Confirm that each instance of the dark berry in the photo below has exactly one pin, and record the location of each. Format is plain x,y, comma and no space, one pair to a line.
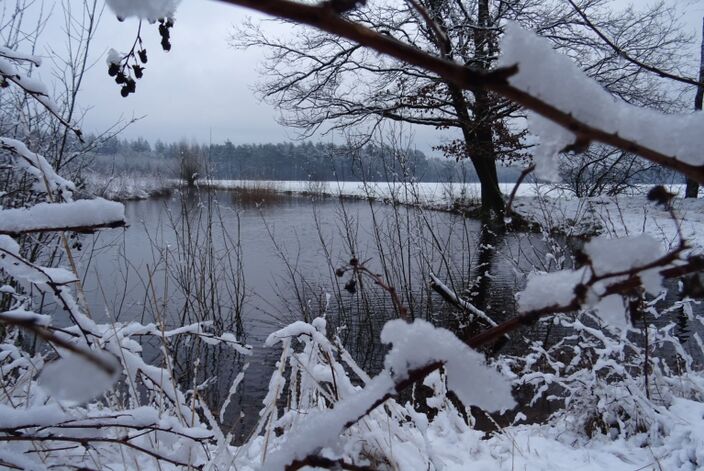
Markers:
351,286
660,195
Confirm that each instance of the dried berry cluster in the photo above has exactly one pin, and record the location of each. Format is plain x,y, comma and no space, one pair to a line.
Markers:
165,24
130,68
76,242
124,70
351,284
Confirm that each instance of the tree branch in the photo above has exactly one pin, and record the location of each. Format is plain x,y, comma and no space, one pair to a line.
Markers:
650,68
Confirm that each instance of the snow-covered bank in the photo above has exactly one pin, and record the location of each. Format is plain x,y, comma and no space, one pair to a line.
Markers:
668,434
616,216
545,204
430,193
128,187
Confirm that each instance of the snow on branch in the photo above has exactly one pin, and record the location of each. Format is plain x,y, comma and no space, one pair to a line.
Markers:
596,282
197,330
418,348
35,88
555,79
77,216
12,263
38,167
38,324
420,343
453,298
607,261
11,54
151,10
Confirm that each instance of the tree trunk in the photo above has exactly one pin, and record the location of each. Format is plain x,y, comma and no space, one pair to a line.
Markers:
480,147
476,131
481,144
692,186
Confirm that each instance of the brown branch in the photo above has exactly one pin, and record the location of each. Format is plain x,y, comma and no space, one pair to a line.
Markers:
694,264
359,269
398,304
526,171
326,19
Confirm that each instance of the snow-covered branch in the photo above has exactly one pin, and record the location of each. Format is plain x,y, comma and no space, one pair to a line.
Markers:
36,89
418,349
76,216
452,297
53,403
571,290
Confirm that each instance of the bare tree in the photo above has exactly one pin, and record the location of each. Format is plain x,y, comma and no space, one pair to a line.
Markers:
602,170
322,81
190,163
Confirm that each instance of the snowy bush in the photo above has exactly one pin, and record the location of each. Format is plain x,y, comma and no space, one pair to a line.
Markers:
58,404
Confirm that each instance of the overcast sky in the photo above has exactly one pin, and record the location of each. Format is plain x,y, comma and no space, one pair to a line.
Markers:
203,87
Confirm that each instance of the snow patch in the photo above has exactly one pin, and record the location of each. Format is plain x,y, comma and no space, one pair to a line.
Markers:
557,80
420,343
151,10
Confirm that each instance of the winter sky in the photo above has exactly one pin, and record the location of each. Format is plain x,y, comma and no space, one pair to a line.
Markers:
203,88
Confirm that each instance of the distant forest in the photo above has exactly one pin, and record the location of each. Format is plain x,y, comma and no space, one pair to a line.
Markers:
283,161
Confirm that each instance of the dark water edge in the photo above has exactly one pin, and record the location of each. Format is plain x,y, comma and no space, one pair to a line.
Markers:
289,249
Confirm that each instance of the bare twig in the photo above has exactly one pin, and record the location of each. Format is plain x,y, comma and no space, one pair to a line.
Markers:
87,441
359,268
526,171
618,50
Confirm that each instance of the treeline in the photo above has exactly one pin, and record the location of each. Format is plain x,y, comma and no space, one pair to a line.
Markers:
282,161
